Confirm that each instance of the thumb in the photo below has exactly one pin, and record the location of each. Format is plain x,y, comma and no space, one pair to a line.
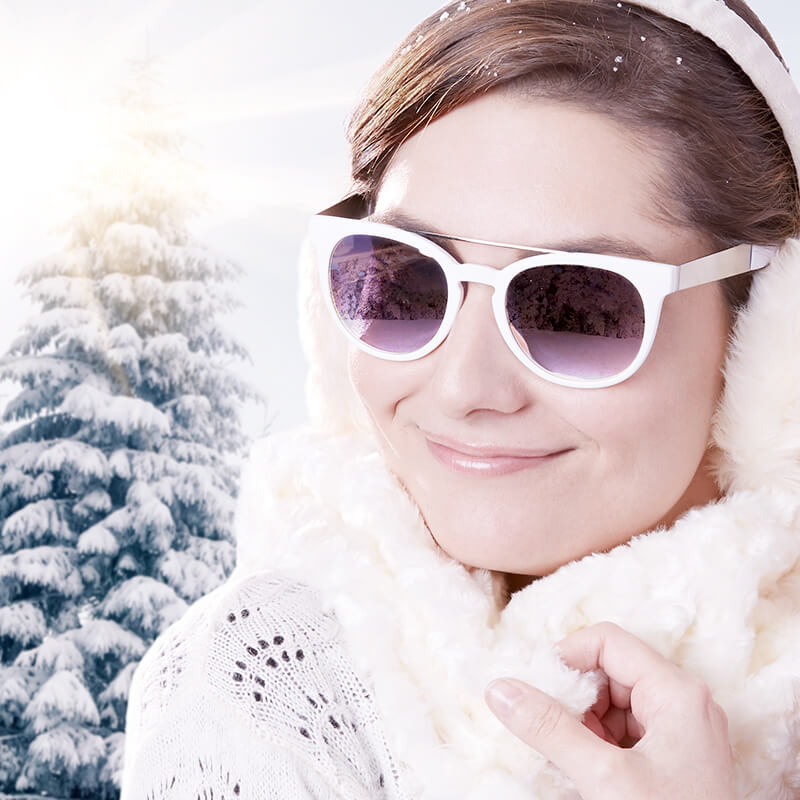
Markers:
544,724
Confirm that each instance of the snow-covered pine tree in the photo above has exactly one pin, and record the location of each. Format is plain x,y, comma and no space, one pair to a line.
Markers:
118,477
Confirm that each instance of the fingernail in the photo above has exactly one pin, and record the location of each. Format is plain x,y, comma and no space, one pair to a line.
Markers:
502,696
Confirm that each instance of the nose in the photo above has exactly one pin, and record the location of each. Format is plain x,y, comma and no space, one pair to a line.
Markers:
474,368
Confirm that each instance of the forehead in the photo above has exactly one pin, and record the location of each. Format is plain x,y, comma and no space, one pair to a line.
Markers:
531,171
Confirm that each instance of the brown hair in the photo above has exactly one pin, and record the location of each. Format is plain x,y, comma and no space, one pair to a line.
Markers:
731,174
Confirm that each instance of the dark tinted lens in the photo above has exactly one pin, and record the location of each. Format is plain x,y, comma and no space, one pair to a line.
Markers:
387,293
578,321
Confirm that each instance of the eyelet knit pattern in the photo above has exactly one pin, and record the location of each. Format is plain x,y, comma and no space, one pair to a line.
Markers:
250,695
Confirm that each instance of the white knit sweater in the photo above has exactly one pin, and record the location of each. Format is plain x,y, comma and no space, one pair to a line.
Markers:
251,695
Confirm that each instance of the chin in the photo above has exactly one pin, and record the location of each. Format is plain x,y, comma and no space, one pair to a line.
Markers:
484,546
511,546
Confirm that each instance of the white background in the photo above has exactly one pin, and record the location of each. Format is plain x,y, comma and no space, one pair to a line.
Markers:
266,86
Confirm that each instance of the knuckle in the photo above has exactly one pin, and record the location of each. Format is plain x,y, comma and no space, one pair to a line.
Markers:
545,723
606,628
696,694
719,717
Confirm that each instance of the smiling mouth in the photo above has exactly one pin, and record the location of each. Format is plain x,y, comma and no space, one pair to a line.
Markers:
488,461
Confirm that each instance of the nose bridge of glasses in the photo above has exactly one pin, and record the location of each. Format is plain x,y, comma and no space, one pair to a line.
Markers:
478,273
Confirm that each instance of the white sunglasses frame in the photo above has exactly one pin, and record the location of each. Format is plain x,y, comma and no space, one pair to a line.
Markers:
652,279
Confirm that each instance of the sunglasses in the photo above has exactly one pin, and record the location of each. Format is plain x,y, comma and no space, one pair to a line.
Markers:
583,320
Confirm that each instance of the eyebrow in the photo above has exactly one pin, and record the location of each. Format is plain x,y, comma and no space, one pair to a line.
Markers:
604,245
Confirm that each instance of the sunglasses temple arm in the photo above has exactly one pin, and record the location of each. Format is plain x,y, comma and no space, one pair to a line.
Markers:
352,207
734,261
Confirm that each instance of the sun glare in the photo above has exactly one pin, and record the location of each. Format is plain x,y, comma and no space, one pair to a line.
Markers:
51,129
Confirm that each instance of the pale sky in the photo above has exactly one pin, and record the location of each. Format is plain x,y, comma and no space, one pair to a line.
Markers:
267,86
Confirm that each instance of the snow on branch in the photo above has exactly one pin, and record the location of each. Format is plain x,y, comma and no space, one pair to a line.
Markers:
120,687
14,693
63,749
22,456
48,567
195,454
157,306
125,337
151,517
102,637
62,698
175,458
133,249
35,523
195,261
14,481
74,262
39,331
27,403
121,462
64,292
111,772
76,457
219,554
55,653
47,266
50,426
190,577
217,340
145,604
126,414
198,486
92,503
119,522
124,351
98,540
23,622
46,371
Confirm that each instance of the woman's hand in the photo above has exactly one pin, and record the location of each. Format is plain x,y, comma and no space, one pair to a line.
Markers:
655,732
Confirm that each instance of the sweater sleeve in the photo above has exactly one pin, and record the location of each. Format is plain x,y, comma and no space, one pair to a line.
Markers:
250,696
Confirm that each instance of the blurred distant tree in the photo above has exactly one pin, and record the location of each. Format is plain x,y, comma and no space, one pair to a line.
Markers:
118,473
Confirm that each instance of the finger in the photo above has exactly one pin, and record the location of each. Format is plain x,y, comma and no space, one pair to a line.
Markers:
625,658
603,702
543,723
659,691
615,723
621,727
628,662
633,728
619,694
592,722
610,695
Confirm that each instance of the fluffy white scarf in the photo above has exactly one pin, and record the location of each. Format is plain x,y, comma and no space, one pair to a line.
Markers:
718,593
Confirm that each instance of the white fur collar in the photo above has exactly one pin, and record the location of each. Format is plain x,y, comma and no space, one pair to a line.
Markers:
719,593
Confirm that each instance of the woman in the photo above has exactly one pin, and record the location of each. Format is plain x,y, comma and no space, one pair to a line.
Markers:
538,451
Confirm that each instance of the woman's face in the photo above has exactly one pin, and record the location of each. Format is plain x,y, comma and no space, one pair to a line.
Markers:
460,425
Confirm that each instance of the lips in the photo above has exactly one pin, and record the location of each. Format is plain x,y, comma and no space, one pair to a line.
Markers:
488,459
490,450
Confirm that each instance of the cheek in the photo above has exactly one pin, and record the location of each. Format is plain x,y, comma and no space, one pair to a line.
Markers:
381,385
656,426
363,376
